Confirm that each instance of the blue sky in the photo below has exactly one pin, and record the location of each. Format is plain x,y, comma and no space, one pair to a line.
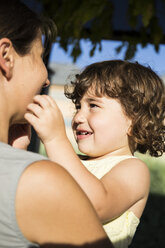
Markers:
146,56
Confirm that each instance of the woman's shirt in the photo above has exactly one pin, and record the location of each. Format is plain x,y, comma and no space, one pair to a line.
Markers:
13,162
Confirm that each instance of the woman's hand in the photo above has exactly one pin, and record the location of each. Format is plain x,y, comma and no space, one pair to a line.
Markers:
46,118
19,136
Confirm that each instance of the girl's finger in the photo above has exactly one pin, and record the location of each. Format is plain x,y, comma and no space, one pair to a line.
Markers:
50,100
42,101
35,109
31,118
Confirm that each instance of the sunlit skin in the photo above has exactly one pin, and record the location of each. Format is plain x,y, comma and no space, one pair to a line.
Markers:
101,129
28,84
40,206
100,126
21,79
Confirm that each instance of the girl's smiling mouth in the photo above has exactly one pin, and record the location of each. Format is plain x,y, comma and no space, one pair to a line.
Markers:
82,134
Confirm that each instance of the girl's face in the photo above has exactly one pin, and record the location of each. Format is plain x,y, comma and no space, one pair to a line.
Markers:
29,77
100,126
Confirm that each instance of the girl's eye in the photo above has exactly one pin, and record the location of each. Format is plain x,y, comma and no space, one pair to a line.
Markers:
77,106
92,105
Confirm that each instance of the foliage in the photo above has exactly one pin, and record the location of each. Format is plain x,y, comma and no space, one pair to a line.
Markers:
92,20
157,172
80,19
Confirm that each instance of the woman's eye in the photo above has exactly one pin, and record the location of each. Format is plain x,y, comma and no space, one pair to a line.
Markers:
42,55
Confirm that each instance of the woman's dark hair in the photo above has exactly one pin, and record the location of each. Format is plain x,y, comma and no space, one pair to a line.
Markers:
141,93
22,26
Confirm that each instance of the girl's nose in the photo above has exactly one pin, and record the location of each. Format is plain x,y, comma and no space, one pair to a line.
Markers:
79,117
46,84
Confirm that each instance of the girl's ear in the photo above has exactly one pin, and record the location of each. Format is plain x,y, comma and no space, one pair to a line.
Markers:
6,58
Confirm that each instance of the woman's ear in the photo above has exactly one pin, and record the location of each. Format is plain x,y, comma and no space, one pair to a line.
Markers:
6,58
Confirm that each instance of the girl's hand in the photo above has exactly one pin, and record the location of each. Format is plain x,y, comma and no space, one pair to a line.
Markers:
19,136
46,118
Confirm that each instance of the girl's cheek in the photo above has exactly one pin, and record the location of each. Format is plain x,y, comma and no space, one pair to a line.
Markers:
72,123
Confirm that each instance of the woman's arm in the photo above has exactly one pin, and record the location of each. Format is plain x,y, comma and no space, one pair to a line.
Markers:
103,243
52,208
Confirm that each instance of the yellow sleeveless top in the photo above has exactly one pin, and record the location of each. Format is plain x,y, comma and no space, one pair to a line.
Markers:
122,229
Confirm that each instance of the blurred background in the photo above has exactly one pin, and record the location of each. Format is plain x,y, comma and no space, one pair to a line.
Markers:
96,30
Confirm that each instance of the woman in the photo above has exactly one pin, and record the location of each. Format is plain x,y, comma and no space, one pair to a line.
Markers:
39,201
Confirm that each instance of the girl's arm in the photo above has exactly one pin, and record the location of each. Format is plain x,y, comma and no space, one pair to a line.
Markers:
116,192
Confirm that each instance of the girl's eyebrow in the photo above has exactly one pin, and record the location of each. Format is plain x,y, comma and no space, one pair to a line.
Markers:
94,99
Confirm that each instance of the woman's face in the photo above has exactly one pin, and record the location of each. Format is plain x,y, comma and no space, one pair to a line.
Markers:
30,75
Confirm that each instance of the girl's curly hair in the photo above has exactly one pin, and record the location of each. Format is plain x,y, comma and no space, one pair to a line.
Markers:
141,93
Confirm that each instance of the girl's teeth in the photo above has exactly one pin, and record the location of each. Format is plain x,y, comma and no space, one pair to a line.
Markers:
84,133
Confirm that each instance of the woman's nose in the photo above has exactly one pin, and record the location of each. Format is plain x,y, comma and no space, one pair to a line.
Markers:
46,84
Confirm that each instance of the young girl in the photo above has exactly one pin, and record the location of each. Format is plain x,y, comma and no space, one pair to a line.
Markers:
120,109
